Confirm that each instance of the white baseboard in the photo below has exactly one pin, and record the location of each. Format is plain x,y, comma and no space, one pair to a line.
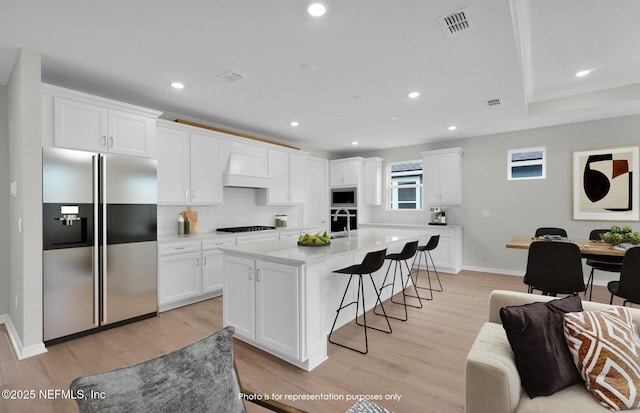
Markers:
598,280
493,270
19,349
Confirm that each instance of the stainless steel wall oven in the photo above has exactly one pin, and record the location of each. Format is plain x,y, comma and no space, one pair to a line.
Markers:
344,197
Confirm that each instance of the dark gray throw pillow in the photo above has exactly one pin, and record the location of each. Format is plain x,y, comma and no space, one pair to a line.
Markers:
535,333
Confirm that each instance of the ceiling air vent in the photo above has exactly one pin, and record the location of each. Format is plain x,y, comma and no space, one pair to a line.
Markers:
494,102
455,22
230,76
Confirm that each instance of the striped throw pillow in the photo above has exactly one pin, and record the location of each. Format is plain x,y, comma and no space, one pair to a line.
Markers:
606,350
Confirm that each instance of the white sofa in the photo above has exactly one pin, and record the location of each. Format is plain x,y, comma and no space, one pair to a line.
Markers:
492,383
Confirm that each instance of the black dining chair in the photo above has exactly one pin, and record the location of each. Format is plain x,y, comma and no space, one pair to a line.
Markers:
541,232
628,288
554,268
601,262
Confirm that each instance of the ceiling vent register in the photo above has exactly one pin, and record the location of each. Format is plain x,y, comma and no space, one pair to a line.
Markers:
455,22
230,76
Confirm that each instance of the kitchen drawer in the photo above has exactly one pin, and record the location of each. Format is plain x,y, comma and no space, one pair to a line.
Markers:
178,247
245,239
212,244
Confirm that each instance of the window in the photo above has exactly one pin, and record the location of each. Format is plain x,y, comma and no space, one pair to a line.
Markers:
405,185
526,163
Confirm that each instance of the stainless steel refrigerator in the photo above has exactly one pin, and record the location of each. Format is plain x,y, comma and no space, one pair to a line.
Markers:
99,241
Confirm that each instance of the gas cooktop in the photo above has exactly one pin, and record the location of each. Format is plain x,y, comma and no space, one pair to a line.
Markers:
245,229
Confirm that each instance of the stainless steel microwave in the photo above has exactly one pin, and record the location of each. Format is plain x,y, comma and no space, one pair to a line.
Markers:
344,197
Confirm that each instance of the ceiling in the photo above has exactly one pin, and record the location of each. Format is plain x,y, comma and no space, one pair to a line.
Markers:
344,76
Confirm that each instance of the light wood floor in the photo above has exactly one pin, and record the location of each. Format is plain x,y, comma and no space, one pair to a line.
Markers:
422,361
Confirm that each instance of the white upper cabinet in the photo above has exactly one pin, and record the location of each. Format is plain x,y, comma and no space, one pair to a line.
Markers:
345,172
188,166
90,123
373,181
442,170
173,166
206,175
288,178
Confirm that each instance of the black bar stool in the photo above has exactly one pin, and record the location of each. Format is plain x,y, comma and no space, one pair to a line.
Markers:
423,251
406,254
371,263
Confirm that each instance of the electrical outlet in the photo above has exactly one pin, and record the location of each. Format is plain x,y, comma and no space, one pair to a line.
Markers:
16,300
485,214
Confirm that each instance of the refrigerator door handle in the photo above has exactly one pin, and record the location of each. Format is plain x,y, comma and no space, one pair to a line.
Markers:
103,231
95,256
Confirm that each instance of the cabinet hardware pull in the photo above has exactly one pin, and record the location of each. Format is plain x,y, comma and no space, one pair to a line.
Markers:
186,193
104,140
250,273
179,248
197,262
111,141
204,260
258,274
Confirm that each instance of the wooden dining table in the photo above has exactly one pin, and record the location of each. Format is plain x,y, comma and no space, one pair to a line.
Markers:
587,247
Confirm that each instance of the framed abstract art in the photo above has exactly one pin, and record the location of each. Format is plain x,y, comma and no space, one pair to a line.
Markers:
605,184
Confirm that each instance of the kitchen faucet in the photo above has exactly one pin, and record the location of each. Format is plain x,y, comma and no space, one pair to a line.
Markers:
348,227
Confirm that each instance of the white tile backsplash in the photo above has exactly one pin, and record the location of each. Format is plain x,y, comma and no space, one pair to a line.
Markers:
239,209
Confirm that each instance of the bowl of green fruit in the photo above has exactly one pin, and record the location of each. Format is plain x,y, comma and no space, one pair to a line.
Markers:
315,240
617,235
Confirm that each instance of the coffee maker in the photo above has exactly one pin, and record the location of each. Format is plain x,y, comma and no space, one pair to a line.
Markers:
438,216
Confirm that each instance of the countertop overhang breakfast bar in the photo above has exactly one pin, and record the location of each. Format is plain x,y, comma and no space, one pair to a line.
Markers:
282,297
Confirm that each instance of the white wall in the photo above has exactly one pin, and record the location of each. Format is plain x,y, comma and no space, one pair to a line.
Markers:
517,207
4,204
239,209
25,153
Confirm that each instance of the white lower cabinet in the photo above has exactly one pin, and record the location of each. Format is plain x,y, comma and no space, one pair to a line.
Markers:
213,265
448,254
261,303
179,274
178,278
189,271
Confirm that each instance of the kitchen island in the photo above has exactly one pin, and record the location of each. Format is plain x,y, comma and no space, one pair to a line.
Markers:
282,298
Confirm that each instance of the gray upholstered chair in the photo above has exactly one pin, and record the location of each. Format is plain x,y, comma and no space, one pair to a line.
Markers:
200,377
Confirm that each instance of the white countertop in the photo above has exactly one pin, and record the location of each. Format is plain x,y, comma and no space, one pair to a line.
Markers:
406,226
287,251
198,236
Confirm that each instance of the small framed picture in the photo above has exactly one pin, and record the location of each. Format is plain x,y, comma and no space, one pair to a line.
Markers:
527,163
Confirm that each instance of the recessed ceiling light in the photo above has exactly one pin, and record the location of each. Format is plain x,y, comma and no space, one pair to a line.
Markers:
393,118
583,73
452,127
294,123
354,143
177,85
317,9
414,95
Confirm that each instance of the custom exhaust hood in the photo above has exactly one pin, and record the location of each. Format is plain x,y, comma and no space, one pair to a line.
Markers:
246,170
